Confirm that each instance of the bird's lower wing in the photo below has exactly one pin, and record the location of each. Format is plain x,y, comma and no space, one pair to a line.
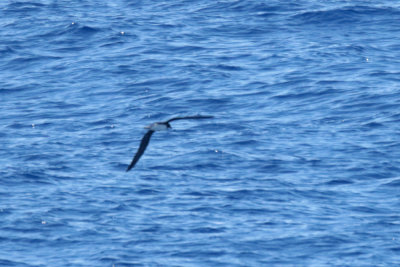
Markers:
142,148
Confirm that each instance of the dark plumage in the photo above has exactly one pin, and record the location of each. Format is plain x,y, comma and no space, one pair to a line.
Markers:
157,126
142,148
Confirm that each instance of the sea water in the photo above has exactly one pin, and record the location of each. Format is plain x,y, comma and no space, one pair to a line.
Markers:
299,167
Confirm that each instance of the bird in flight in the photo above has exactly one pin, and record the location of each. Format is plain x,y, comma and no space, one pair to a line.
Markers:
158,126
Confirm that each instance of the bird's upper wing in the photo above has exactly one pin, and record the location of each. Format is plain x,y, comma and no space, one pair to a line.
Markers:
142,148
189,118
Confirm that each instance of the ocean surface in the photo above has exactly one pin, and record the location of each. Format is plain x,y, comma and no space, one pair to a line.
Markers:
300,165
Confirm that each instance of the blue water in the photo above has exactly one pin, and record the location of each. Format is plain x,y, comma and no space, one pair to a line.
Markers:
299,167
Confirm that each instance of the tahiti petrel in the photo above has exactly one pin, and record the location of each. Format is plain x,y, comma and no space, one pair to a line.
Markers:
158,126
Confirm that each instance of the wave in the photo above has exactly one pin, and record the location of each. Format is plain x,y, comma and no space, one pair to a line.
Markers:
344,15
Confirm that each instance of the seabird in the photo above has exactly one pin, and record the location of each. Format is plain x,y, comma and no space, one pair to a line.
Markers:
158,126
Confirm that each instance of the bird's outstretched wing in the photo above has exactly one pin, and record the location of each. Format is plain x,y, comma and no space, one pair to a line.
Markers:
142,148
189,118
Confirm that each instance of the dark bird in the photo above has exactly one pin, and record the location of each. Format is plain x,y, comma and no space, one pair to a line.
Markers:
158,126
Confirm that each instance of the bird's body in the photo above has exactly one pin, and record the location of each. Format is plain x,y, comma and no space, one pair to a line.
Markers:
157,126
